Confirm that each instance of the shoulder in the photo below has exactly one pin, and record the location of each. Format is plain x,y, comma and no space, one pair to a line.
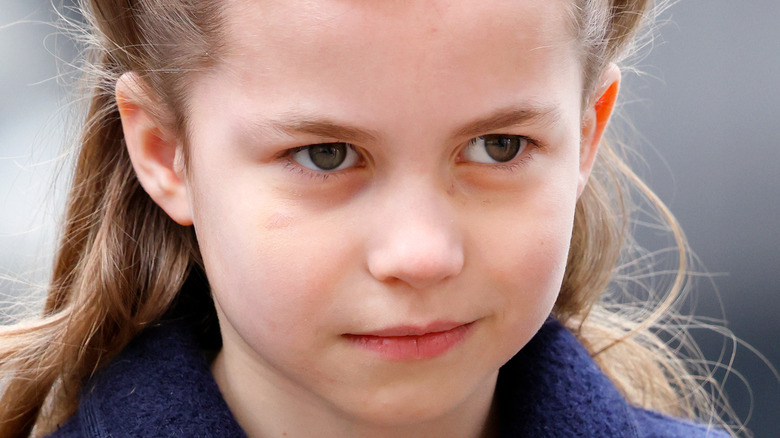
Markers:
651,424
160,385
552,387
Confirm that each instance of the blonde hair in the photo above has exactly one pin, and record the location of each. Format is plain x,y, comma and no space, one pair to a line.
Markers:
122,262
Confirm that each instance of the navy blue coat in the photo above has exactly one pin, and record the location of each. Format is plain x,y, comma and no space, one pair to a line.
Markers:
161,386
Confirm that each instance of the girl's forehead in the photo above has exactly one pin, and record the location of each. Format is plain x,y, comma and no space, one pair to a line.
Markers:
400,55
401,27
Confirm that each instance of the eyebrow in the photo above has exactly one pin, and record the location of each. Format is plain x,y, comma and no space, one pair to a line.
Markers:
300,124
511,116
322,127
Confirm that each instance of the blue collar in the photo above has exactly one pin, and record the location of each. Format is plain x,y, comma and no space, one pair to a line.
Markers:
161,385
553,388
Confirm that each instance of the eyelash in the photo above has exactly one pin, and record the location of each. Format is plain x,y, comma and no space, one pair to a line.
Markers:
308,173
514,164
522,158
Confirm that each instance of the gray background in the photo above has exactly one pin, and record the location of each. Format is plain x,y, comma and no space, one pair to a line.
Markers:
707,109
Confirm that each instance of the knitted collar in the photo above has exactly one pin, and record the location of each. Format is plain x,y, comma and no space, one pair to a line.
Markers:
161,385
553,388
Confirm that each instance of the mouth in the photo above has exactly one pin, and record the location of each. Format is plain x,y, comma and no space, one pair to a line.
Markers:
412,342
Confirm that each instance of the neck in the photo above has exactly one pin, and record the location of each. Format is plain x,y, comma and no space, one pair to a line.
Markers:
265,410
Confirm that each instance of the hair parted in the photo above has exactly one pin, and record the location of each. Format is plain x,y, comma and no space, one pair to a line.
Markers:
122,261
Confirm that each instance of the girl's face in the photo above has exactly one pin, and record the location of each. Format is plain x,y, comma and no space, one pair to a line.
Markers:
384,276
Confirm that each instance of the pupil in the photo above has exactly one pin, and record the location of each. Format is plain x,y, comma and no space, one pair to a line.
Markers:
328,156
502,148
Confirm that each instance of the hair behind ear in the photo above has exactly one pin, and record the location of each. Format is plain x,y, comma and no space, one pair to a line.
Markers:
121,260
120,263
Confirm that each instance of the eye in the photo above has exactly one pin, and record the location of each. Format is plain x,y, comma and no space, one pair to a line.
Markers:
326,156
494,148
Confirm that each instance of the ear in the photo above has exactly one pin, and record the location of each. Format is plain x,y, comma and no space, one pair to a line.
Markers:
595,120
156,153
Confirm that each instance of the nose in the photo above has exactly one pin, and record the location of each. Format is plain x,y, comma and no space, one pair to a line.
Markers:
416,239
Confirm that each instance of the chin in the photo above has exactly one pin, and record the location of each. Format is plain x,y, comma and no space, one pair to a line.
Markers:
402,413
413,404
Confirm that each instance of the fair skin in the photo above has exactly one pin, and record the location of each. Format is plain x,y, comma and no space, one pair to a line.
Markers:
418,229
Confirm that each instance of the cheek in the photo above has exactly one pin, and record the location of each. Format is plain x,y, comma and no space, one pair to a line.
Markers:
270,269
526,246
531,261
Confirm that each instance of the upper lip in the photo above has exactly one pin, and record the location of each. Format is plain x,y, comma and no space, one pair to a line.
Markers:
413,330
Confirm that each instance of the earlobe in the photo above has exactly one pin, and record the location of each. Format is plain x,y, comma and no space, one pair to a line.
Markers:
155,152
595,120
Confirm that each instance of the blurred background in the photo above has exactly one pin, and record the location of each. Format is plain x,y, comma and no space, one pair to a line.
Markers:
703,115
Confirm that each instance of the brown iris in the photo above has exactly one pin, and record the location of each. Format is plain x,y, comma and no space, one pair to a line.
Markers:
503,148
328,156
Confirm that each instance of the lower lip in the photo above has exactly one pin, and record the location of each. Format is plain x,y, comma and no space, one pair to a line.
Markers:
427,346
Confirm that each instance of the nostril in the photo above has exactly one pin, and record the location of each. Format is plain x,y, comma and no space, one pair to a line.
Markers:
416,263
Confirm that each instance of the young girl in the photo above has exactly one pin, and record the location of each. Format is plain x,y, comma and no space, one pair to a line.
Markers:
348,218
